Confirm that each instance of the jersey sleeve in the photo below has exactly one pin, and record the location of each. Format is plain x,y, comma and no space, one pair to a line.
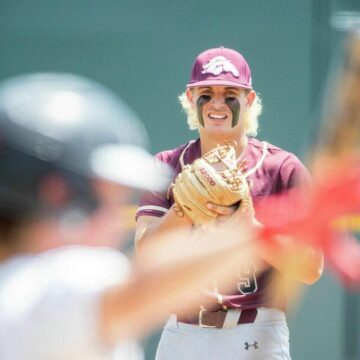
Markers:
154,203
293,174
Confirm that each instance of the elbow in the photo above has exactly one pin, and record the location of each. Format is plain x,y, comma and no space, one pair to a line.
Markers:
314,273
140,240
139,246
314,268
312,277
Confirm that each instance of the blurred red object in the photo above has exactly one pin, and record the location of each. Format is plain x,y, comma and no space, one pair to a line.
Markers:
313,216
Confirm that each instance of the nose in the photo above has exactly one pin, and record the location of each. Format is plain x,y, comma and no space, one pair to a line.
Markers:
217,101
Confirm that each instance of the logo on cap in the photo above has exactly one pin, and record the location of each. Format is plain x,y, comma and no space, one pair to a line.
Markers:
218,65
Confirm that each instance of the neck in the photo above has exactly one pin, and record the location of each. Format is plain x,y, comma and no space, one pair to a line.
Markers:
209,143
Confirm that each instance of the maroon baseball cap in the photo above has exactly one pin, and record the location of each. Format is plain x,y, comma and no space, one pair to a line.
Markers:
220,66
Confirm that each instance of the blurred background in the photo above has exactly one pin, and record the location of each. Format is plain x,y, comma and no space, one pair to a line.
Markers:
144,49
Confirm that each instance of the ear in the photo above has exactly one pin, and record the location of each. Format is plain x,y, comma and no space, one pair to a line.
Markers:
250,97
190,96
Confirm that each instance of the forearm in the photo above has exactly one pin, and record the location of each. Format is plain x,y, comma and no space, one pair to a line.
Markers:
149,229
143,302
293,258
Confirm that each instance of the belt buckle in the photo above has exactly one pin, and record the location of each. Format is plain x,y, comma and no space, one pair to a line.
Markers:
201,312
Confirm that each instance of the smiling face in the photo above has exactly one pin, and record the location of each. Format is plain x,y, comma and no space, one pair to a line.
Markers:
220,109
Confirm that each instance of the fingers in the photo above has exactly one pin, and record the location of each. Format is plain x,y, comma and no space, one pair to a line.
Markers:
242,212
245,207
222,210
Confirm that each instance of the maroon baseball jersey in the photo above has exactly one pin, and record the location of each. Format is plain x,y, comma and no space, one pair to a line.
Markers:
270,170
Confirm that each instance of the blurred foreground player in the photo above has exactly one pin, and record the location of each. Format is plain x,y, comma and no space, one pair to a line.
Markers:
247,322
69,152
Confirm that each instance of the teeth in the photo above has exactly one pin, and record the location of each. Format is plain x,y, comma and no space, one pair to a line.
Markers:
217,116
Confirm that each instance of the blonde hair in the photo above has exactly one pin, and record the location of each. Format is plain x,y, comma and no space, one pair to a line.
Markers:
251,115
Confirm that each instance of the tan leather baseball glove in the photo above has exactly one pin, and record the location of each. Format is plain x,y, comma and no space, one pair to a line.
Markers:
214,178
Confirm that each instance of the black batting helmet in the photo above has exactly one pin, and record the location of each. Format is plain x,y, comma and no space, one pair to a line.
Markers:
53,122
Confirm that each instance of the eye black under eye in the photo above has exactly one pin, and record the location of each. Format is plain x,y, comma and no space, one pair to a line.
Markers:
205,97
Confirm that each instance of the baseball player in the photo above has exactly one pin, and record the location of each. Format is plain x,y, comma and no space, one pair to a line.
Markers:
246,322
70,153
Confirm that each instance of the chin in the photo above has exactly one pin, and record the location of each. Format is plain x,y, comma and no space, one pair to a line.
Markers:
221,134
217,126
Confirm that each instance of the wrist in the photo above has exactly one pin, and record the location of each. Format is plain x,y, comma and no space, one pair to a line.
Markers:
179,214
257,225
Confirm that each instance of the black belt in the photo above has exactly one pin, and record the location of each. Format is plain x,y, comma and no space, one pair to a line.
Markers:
216,319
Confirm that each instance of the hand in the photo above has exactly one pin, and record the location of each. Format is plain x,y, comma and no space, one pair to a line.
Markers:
214,178
222,211
242,213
